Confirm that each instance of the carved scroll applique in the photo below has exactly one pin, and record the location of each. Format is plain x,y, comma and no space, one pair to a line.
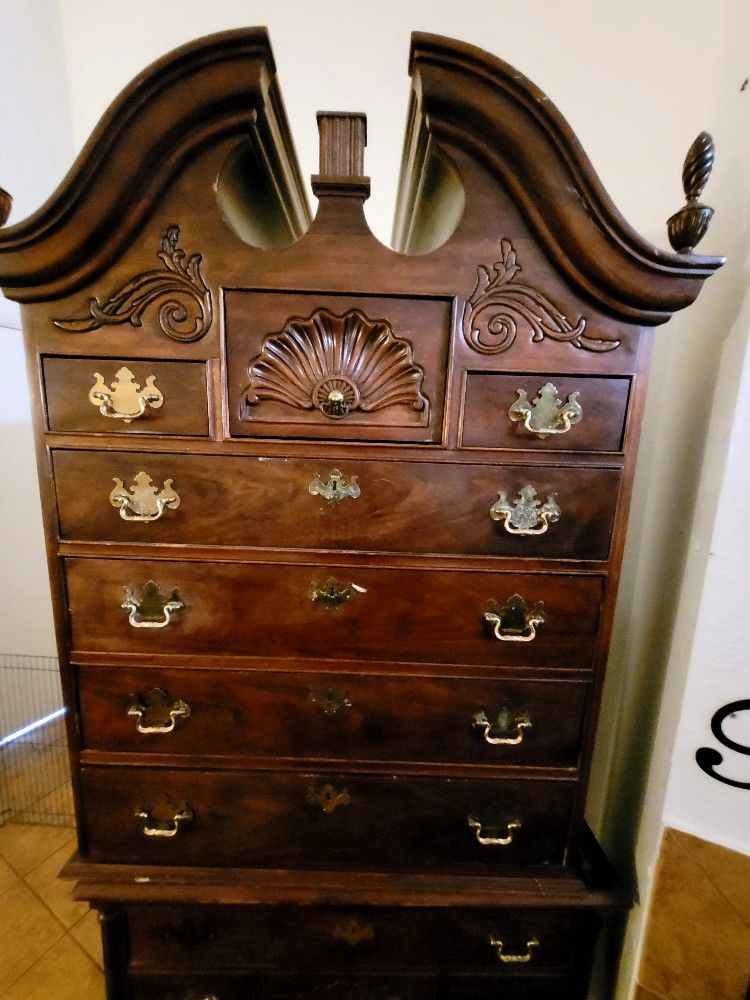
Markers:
499,305
336,364
185,310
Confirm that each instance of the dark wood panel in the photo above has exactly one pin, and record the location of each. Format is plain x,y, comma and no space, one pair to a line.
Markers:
267,611
266,819
489,397
350,938
388,338
402,507
332,716
179,986
68,381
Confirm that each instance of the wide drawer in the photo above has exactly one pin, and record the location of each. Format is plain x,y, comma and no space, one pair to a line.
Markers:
598,425
281,819
151,397
400,507
333,613
331,716
269,986
322,939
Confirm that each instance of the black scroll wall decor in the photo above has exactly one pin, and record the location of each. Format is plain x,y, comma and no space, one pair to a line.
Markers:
709,759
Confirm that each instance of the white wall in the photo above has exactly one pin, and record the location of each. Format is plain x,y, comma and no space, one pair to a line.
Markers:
36,148
637,81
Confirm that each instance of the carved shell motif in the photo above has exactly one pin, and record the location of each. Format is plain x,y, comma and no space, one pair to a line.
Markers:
336,364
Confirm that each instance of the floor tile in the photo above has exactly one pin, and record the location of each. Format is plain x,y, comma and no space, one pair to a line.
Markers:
88,934
8,876
696,945
24,846
65,972
53,809
644,994
27,931
56,892
728,870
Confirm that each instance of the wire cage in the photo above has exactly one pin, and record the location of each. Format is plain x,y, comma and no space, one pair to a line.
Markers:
34,769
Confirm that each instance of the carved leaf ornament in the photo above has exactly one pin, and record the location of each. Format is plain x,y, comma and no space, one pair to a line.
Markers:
186,310
499,305
336,364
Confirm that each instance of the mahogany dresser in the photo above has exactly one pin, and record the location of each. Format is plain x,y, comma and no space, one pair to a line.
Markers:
334,530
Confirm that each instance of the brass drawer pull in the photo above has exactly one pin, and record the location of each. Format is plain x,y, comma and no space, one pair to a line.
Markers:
514,959
514,726
169,828
330,701
143,501
124,399
515,621
336,488
328,798
333,594
152,609
353,931
527,515
547,414
511,826
157,703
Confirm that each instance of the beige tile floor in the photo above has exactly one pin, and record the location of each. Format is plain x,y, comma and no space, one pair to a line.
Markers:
50,948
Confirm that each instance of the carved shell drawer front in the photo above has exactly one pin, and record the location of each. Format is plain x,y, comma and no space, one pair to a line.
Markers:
313,365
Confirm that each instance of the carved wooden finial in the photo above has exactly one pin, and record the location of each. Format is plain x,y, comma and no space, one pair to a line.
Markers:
5,205
687,227
343,137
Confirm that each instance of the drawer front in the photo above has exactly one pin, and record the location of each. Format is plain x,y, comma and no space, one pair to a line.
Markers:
418,507
332,716
346,367
332,613
179,986
598,426
269,986
310,938
278,819
172,396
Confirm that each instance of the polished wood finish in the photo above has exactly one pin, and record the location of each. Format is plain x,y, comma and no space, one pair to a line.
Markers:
319,681
317,716
262,819
425,507
487,399
440,615
351,938
68,381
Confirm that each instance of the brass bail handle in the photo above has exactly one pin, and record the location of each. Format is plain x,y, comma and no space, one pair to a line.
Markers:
124,399
155,828
515,621
514,726
510,958
526,515
546,414
139,707
488,841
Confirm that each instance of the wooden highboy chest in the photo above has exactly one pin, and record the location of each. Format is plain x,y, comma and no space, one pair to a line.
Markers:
334,530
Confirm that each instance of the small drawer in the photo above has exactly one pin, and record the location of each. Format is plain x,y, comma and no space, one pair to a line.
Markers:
338,820
332,716
423,507
123,396
540,620
579,413
356,938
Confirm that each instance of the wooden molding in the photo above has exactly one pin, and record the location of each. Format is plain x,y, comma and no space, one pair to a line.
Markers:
200,94
465,97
